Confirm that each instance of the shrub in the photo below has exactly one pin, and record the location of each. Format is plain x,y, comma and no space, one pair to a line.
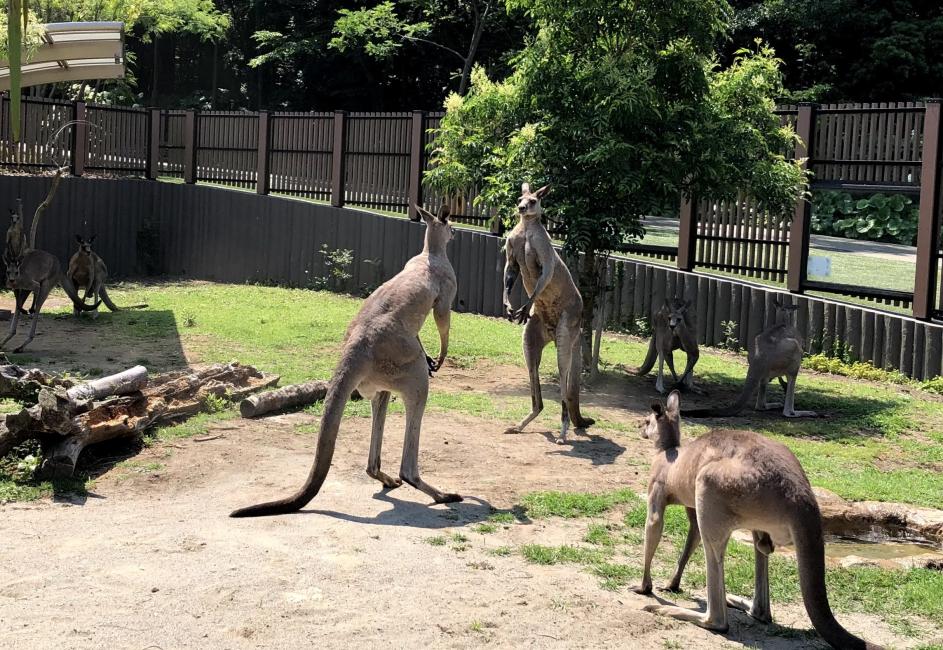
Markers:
876,218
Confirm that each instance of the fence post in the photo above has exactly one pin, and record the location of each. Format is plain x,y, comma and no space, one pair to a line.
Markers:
153,144
337,159
262,179
189,147
79,138
799,230
415,164
687,233
928,228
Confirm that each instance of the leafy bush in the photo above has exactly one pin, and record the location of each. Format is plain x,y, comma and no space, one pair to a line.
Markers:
876,218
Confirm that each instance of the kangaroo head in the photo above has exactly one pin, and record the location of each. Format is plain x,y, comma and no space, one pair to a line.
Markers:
85,245
677,311
14,217
784,311
528,206
439,231
13,270
663,424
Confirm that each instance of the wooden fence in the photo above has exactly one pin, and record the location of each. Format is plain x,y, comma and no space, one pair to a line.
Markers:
211,233
377,160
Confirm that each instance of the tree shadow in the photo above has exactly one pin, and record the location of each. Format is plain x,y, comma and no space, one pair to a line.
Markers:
421,515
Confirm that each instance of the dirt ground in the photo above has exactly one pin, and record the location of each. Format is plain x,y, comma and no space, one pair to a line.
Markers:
150,560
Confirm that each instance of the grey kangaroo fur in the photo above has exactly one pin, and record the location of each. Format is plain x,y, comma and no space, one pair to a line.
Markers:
16,245
382,354
673,327
552,310
36,272
730,480
777,353
88,271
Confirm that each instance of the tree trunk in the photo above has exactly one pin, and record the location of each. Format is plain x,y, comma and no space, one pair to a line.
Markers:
589,290
472,50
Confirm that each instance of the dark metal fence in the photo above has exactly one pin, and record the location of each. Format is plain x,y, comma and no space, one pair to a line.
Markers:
377,160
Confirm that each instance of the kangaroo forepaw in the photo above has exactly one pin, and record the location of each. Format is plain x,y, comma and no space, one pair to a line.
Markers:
433,366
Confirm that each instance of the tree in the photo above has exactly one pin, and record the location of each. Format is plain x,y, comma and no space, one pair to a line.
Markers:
19,36
621,108
380,32
849,50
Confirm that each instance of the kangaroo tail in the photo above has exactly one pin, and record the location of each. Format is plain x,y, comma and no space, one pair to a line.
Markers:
749,387
342,385
810,554
69,288
650,358
103,294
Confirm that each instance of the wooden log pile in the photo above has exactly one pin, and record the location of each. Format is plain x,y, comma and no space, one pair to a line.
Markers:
67,418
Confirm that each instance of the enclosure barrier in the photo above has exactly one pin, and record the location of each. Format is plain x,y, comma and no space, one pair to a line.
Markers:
211,233
377,160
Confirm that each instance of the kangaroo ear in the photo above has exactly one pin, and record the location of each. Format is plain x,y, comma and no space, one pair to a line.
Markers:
658,408
92,238
542,192
425,215
525,188
78,238
674,404
444,212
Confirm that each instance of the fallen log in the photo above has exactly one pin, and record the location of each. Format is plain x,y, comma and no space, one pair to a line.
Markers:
67,419
24,385
285,398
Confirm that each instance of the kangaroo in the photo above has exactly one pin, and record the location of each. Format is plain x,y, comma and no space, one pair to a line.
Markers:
673,328
777,353
88,271
37,272
16,239
729,480
552,310
382,354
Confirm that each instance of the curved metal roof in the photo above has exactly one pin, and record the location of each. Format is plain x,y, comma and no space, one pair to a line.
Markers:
73,52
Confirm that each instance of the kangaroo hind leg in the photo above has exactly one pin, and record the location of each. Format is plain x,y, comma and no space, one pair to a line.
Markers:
39,297
534,342
378,405
789,405
571,394
415,391
759,607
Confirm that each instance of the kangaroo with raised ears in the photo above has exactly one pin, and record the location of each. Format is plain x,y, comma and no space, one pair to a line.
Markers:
777,353
553,310
673,328
382,354
731,480
16,245
37,272
88,271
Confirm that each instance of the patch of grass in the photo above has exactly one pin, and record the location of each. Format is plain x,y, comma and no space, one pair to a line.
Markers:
194,426
8,405
546,555
486,529
574,504
600,535
614,576
437,540
503,518
501,551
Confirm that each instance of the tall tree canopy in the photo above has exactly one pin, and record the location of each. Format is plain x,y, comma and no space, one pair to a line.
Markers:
619,106
841,50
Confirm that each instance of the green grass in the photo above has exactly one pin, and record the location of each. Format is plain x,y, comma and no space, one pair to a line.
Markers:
546,555
570,504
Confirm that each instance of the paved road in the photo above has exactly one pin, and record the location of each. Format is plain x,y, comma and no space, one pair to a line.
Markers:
881,250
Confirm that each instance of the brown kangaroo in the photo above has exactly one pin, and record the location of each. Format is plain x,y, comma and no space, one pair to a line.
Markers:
88,271
673,328
553,310
777,353
382,354
732,480
37,272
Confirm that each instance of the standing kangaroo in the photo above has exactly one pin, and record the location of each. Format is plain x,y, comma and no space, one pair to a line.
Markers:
552,310
730,480
37,272
88,271
16,245
777,353
382,354
673,328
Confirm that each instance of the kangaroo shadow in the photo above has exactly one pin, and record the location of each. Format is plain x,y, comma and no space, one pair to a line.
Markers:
596,449
421,515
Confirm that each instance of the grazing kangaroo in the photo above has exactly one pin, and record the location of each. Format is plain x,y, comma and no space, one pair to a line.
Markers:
673,329
37,272
16,239
88,271
552,310
382,354
730,480
777,352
